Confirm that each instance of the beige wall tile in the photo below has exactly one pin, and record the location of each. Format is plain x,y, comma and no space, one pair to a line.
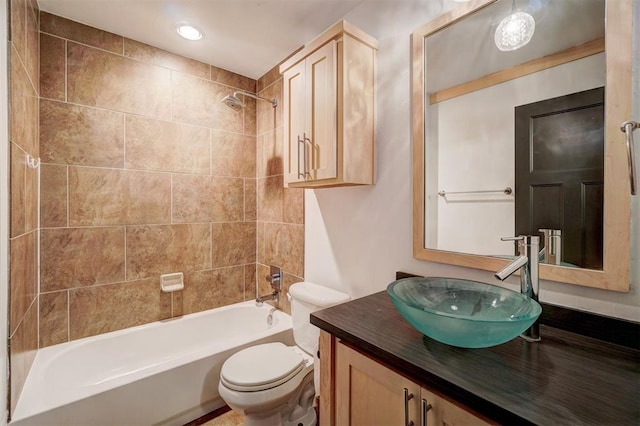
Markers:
284,246
270,199
263,286
32,48
232,79
19,26
260,243
53,196
233,243
101,79
207,199
233,154
101,309
294,205
250,281
52,67
197,101
54,318
250,116
270,153
165,146
118,197
250,199
155,250
73,134
177,305
24,108
75,31
31,199
269,78
153,55
23,347
268,118
23,288
76,257
212,289
18,188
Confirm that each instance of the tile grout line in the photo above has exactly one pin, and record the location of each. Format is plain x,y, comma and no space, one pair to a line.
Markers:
124,142
68,224
68,315
66,68
125,253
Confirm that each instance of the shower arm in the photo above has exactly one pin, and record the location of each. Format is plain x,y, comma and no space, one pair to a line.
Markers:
274,101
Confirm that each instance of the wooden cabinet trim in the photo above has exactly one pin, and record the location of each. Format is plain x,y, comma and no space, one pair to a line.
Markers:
333,33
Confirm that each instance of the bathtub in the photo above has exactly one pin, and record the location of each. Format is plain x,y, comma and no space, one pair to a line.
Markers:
160,373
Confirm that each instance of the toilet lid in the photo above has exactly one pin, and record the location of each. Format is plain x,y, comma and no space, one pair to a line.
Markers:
261,367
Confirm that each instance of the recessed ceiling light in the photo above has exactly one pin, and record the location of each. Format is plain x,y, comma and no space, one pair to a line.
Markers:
188,32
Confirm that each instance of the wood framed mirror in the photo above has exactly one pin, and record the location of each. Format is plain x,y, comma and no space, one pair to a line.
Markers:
610,269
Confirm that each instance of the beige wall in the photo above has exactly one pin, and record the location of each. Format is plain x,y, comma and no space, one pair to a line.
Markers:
23,135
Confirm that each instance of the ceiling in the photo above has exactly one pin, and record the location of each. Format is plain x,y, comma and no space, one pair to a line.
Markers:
248,37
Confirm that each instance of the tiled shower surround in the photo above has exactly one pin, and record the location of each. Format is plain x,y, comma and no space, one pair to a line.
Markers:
23,135
145,172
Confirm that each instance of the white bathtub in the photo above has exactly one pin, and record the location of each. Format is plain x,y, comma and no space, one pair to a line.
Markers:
160,373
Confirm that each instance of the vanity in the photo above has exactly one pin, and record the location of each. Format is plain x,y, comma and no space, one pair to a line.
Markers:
377,369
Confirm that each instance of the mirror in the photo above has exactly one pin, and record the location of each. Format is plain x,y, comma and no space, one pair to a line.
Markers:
488,125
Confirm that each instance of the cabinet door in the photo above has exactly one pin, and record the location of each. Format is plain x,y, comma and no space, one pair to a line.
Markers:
445,413
321,77
370,394
295,119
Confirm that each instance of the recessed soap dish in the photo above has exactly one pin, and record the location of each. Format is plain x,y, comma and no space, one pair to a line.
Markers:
172,282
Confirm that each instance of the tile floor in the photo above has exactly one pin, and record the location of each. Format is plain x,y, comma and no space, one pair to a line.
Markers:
230,418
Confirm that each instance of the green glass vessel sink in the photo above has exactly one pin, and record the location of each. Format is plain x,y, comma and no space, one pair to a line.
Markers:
462,313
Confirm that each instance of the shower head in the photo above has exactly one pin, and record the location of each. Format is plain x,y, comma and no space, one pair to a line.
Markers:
233,102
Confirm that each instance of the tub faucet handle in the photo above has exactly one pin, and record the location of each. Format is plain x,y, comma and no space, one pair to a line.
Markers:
275,277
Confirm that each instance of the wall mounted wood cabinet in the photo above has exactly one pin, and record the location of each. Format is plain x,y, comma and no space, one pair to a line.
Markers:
368,393
329,95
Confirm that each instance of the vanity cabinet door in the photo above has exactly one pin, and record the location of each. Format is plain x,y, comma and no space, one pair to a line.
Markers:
294,124
369,394
321,97
445,413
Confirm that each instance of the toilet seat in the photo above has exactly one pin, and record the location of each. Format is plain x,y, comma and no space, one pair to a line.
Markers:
261,367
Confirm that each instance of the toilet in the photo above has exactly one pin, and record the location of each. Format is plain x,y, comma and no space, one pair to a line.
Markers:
273,384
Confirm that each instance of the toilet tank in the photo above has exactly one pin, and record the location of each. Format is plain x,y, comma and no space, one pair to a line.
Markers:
306,298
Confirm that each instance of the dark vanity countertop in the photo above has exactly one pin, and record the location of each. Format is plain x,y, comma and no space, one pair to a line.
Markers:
565,379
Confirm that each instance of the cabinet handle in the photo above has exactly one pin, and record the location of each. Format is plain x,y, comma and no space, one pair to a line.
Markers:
304,158
628,127
423,413
407,397
304,135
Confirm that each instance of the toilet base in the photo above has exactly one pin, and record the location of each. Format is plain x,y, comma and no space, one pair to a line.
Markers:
297,411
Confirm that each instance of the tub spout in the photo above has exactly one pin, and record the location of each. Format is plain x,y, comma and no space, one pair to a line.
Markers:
527,263
275,279
275,296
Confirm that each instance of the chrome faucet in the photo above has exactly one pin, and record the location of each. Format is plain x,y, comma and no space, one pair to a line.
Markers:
275,279
527,263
